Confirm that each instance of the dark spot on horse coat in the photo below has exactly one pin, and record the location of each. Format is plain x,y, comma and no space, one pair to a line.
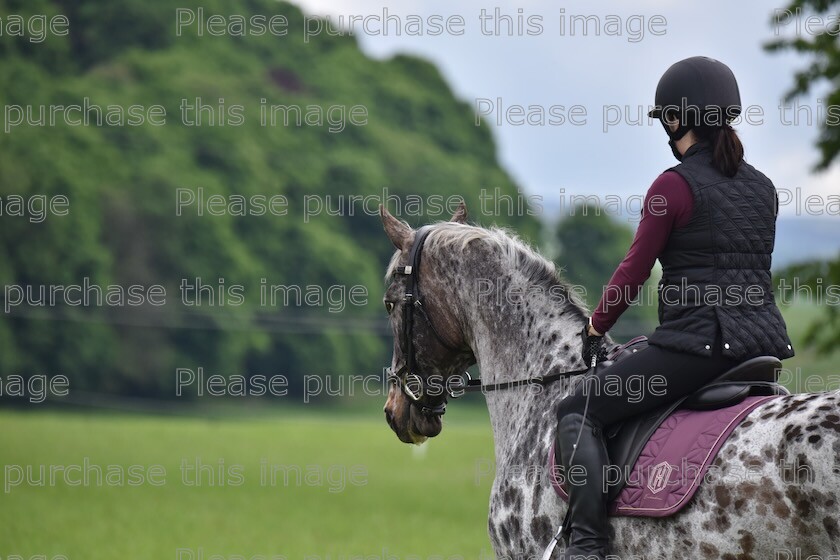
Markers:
709,551
535,503
801,503
512,497
814,438
793,433
505,534
749,490
795,405
722,522
722,496
747,545
803,466
831,423
781,510
540,527
831,528
516,529
754,461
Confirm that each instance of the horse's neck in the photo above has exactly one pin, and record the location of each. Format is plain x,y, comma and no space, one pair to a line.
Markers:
529,341
519,330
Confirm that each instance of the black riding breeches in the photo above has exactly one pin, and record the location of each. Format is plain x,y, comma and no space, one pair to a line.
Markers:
643,381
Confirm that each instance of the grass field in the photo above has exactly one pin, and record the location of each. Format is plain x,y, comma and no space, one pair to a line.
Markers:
396,501
346,488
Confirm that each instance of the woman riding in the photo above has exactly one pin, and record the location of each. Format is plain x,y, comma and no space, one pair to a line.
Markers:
711,223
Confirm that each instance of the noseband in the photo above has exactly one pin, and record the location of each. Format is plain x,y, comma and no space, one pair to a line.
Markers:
412,300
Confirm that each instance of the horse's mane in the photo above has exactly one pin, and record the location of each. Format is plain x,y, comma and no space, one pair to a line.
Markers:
514,253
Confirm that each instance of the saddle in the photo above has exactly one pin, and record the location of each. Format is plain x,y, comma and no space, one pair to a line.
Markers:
693,428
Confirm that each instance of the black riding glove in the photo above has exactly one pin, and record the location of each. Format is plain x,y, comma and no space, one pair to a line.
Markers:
593,346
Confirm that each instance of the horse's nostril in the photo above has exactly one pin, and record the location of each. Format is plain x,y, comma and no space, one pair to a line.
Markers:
389,417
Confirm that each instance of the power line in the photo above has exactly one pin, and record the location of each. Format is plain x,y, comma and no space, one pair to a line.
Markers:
241,320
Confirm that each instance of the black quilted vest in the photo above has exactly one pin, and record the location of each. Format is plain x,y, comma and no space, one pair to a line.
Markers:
716,269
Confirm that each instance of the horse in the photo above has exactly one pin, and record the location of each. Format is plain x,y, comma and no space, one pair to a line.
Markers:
490,299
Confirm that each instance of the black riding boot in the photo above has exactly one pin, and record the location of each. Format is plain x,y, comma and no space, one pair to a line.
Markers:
587,495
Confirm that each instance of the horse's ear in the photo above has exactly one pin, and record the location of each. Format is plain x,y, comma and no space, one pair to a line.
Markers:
399,232
460,215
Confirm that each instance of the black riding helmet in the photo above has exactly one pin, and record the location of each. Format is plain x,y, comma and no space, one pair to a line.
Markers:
698,91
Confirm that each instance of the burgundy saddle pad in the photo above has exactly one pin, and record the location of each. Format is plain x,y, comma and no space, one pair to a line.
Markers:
674,461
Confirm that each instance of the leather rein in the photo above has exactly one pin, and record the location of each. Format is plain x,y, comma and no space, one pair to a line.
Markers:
413,385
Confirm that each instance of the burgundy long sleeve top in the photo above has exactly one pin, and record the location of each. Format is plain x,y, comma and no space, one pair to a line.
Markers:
668,205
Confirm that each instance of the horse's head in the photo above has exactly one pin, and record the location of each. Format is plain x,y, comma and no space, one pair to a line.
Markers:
430,349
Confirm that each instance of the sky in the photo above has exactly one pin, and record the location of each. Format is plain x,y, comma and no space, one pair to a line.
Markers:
614,77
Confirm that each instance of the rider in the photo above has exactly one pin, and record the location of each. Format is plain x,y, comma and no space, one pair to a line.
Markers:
711,223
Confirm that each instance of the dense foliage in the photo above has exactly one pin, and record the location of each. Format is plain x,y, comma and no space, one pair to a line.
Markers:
591,244
819,42
121,183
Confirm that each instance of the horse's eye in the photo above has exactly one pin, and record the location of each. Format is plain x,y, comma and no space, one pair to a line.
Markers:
389,306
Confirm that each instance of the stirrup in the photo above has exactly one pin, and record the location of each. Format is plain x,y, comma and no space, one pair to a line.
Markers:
562,534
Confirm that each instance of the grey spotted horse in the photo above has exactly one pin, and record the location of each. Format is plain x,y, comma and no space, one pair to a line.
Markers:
487,298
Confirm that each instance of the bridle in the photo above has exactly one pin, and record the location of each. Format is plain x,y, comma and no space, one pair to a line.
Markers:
407,375
413,300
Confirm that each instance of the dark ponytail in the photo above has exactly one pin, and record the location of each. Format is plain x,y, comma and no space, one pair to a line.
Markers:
727,150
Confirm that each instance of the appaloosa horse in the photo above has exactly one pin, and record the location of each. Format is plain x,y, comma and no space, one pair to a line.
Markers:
490,299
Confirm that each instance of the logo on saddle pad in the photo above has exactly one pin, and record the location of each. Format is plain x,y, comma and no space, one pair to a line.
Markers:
659,476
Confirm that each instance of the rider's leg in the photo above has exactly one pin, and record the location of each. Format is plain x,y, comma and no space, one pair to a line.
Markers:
631,386
584,454
581,422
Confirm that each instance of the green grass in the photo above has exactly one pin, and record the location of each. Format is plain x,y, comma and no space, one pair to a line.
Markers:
406,501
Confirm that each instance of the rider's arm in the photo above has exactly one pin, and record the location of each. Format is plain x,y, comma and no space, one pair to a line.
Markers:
667,205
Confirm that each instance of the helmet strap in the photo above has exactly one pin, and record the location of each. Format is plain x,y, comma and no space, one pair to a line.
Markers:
675,135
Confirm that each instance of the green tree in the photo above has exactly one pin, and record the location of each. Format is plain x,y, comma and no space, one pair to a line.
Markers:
591,245
822,49
122,181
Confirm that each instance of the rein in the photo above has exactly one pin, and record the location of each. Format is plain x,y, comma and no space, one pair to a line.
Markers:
474,385
405,375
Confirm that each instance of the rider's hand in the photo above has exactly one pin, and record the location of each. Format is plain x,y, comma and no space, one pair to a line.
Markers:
593,345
